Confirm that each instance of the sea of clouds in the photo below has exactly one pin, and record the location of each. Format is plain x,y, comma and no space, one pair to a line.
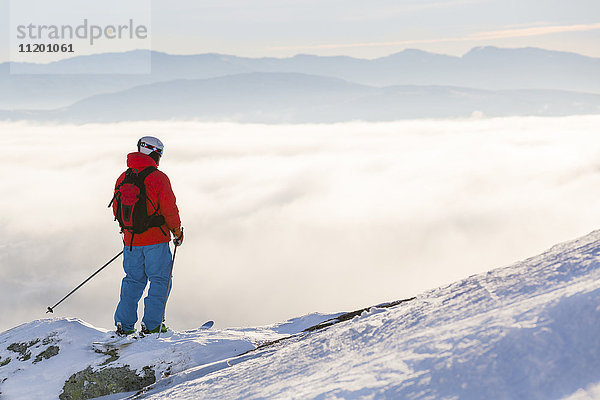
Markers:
284,220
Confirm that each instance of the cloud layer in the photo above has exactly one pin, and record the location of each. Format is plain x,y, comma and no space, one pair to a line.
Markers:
283,220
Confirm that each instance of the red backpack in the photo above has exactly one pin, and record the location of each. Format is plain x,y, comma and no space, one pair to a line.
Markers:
132,208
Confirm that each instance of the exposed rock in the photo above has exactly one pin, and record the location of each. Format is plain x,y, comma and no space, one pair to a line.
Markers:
23,349
88,384
51,339
51,351
113,355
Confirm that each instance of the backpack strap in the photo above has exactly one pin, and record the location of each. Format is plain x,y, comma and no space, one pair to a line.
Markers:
143,175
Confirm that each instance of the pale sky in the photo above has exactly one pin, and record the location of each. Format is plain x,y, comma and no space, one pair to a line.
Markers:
365,29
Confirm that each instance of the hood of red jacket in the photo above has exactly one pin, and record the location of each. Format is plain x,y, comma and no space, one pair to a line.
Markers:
139,161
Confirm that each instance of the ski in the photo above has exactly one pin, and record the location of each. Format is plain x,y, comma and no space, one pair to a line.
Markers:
116,342
204,327
207,325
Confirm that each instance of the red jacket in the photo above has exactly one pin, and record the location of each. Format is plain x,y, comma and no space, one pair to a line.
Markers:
159,192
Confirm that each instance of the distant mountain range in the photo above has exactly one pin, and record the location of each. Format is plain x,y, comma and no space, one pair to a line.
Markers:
297,98
304,88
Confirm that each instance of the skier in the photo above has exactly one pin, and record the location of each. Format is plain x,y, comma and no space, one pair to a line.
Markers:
146,253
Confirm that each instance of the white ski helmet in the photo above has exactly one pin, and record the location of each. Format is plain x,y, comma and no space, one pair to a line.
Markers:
149,144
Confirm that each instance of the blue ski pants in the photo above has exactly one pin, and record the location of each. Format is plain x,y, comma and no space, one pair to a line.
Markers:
142,264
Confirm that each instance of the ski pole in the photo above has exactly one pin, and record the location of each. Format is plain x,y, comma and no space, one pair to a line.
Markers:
51,309
162,320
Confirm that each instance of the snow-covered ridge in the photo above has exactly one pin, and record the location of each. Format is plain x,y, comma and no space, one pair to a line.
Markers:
527,331
52,351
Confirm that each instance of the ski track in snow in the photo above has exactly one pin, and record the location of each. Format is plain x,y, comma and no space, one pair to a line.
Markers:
527,331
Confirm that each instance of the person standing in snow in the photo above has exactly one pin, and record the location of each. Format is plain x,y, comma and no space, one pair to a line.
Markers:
146,253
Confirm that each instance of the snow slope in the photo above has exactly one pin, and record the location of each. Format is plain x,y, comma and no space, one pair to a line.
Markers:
528,331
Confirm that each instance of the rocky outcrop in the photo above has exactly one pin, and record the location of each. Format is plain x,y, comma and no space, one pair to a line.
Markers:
90,383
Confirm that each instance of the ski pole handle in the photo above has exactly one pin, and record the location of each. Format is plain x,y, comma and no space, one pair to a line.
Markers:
178,238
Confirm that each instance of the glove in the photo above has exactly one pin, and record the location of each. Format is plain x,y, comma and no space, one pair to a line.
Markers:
178,233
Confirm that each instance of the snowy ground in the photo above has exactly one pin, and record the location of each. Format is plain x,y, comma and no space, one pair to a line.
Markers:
528,331
174,352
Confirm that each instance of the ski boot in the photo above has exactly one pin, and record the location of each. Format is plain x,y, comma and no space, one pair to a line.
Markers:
121,332
162,327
